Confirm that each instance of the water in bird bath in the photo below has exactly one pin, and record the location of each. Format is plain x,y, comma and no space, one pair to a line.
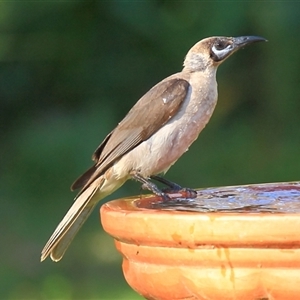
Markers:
256,198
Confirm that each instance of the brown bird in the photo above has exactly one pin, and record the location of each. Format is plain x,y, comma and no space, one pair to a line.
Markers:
158,129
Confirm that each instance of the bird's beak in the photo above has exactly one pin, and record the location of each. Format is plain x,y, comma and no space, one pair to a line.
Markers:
242,41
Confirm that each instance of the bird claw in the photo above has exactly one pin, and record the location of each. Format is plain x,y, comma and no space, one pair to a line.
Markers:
173,191
189,193
186,192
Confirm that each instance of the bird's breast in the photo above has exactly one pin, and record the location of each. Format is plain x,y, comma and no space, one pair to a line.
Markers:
163,148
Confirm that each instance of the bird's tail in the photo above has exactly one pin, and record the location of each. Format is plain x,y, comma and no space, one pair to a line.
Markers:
71,223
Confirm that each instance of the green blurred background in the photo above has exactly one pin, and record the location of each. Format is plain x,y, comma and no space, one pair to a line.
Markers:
69,71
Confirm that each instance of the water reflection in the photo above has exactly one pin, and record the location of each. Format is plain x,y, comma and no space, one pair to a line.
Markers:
258,198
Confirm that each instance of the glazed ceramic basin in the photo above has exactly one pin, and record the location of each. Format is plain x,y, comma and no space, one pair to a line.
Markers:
239,242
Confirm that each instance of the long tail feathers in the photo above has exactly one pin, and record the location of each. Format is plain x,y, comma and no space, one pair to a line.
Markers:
70,224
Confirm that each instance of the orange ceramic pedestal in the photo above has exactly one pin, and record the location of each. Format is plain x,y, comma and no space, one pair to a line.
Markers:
238,242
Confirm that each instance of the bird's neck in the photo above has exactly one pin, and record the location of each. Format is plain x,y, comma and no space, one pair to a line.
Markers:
204,95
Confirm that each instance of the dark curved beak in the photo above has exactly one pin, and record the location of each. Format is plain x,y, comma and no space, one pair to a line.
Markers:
242,41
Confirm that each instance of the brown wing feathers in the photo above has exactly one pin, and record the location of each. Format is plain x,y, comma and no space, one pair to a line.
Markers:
163,101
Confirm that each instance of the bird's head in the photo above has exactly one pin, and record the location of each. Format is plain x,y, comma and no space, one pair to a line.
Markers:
213,51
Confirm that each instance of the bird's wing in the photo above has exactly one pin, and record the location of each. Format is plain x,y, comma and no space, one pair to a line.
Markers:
146,117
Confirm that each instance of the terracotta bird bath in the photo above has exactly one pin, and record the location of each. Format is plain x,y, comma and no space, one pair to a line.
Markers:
240,242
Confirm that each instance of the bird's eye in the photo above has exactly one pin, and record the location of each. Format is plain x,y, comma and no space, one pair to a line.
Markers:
220,45
221,48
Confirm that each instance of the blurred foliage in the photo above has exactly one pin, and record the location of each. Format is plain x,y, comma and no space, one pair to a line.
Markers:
70,70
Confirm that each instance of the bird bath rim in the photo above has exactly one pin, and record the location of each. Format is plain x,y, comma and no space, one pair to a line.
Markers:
134,220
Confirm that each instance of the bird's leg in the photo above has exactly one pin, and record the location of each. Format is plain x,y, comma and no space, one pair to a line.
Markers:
149,185
174,187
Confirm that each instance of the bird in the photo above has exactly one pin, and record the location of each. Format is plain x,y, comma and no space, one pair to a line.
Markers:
153,135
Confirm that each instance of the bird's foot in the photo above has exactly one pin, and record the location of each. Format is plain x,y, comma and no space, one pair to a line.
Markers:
150,186
174,188
188,193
